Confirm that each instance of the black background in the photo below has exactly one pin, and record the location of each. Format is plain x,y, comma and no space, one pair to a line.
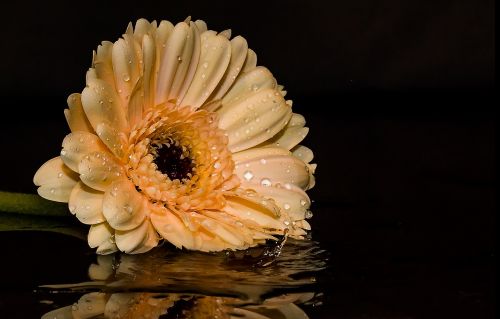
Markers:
398,95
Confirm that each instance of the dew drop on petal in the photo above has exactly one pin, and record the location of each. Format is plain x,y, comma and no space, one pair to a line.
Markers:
265,182
263,161
60,175
303,202
309,214
286,206
248,175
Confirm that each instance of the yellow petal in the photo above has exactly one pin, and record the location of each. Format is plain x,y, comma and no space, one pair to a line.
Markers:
99,169
247,83
123,207
172,229
214,59
55,180
78,144
75,116
86,204
304,153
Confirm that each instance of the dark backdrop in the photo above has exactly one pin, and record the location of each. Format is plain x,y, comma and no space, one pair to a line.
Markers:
398,98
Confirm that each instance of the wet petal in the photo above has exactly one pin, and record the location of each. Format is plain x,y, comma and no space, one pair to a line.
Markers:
102,237
214,59
77,145
55,180
86,204
304,153
132,240
99,169
275,169
253,81
123,206
172,229
75,115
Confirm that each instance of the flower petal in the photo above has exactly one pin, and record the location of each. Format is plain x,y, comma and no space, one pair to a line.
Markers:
125,67
75,116
169,62
86,204
123,207
274,169
255,119
149,72
239,49
99,169
102,104
247,210
303,152
259,153
138,240
290,198
187,64
115,141
288,138
250,61
102,237
172,229
55,180
256,80
78,144
214,59
103,64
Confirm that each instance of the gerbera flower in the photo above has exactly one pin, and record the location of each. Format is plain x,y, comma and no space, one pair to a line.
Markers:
179,135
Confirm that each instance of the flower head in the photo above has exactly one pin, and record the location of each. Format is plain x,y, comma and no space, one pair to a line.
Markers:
178,135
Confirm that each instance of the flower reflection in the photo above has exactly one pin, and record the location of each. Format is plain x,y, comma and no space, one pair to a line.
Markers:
268,282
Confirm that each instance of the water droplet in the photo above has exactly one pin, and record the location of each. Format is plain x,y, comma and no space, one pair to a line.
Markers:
60,175
101,102
303,202
248,175
52,190
309,214
217,165
126,77
63,152
74,307
203,75
179,58
286,206
286,222
263,161
205,65
265,182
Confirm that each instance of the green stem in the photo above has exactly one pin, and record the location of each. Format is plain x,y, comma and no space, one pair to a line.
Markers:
31,204
28,212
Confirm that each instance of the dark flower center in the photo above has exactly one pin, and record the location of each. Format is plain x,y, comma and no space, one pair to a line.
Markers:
174,161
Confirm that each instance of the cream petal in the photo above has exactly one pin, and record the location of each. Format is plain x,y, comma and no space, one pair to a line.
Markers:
275,169
172,229
101,104
75,116
169,60
90,305
250,61
255,80
239,48
86,204
187,64
297,120
150,241
162,35
214,59
258,153
248,211
142,27
78,144
224,232
123,207
102,236
136,103
291,310
125,66
103,64
226,33
55,180
247,314
201,25
304,153
288,138
99,169
149,72
115,141
290,198
130,240
254,120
